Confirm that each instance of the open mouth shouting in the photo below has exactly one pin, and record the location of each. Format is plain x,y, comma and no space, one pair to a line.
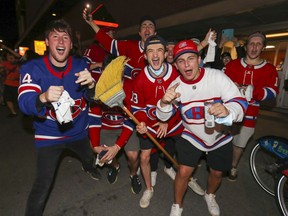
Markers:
156,63
60,50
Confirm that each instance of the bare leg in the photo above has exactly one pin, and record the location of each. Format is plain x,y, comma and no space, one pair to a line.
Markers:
214,181
181,183
237,154
10,106
145,167
133,161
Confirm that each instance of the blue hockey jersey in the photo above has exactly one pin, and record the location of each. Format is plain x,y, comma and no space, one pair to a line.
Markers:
36,77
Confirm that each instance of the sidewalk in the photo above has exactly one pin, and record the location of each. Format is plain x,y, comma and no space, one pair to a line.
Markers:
76,194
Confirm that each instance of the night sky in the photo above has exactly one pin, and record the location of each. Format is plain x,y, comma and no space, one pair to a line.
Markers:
8,22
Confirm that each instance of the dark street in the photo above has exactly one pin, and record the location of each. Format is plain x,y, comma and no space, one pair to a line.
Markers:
75,193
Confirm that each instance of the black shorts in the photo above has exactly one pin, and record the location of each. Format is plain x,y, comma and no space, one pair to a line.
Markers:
219,159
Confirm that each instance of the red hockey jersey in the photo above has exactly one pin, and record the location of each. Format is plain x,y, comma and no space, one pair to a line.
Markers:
264,79
129,48
147,90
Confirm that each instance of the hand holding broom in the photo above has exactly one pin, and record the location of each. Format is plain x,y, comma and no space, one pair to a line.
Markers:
109,89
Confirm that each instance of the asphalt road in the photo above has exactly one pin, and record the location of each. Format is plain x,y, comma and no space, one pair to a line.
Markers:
76,194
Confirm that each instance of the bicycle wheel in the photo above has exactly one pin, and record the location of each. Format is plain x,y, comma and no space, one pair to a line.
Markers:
264,166
282,194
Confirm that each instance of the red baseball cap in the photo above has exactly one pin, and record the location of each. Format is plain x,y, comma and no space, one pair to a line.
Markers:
184,46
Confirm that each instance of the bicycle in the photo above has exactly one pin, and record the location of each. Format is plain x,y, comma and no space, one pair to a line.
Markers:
269,166
282,192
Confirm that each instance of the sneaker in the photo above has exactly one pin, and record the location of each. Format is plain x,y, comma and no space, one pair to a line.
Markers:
153,178
94,173
113,174
212,205
196,187
176,210
136,186
146,197
232,175
170,172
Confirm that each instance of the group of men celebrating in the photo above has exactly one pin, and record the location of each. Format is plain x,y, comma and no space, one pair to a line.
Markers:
181,104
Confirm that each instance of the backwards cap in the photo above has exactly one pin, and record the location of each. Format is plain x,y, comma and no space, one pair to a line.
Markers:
171,41
154,39
184,46
146,17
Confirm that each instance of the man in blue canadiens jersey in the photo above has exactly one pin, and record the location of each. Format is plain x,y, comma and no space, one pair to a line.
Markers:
56,89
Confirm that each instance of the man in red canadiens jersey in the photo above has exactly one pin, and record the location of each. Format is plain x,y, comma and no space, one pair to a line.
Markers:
258,81
110,130
133,49
148,87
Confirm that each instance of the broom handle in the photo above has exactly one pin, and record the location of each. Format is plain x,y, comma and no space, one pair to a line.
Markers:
151,137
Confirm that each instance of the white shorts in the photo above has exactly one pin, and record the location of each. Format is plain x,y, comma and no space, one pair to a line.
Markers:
242,135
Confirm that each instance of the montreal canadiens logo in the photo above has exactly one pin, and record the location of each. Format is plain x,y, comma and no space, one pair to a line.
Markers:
113,118
79,105
183,44
151,113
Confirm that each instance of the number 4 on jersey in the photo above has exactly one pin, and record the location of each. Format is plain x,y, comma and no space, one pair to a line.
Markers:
27,78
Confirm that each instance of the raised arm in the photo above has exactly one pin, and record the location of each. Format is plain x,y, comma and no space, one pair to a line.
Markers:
204,42
88,19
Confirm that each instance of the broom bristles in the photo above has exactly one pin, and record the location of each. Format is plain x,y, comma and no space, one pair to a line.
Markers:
110,81
115,99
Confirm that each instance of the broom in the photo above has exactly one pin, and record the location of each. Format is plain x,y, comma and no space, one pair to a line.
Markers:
109,89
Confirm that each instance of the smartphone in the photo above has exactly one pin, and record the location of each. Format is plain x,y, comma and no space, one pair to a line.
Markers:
102,153
88,7
228,33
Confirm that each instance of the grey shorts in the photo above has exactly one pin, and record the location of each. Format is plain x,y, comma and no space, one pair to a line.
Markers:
241,135
109,137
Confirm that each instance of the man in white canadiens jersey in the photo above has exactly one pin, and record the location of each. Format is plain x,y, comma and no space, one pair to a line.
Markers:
188,93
